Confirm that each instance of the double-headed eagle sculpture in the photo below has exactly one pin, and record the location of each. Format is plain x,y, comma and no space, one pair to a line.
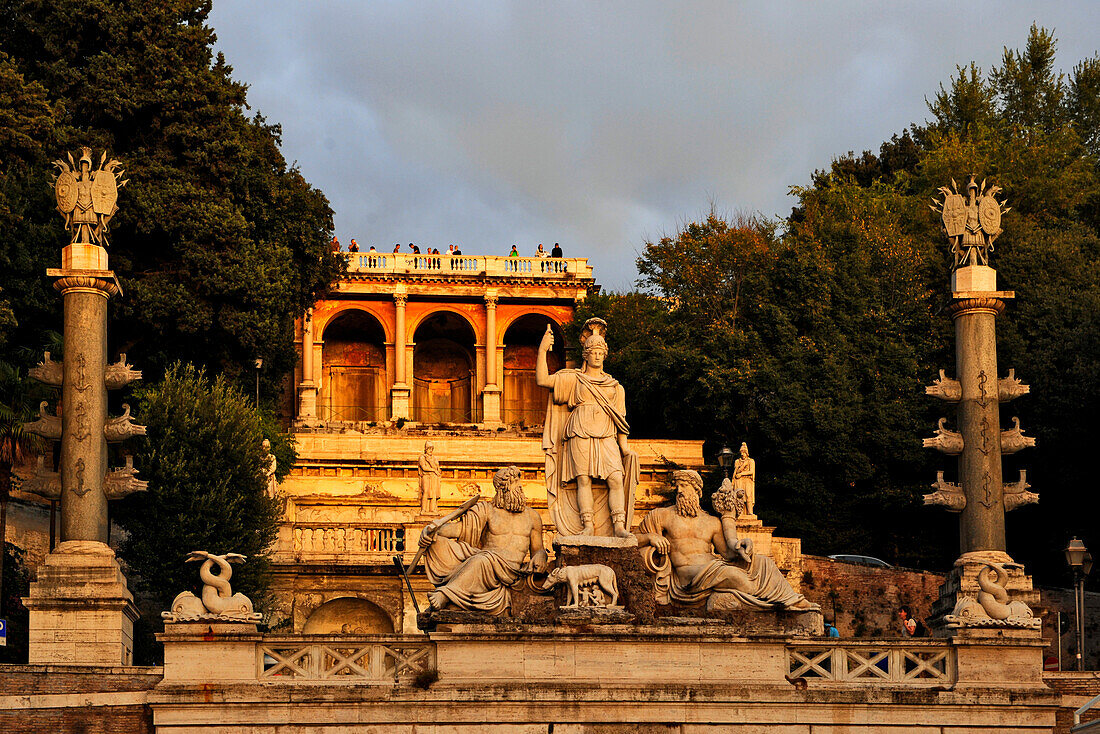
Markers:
971,223
86,197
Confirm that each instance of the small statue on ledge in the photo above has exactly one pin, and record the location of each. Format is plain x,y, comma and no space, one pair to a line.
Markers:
475,560
744,479
218,602
427,470
679,546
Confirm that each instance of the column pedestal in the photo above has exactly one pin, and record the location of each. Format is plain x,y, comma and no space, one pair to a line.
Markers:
81,612
399,402
307,403
962,581
490,406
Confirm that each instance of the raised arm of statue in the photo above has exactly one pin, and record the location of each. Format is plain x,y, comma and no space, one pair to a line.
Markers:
542,370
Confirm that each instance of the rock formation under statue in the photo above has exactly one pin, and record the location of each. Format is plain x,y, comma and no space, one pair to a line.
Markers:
680,542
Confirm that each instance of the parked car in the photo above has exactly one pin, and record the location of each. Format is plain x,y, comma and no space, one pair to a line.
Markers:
863,560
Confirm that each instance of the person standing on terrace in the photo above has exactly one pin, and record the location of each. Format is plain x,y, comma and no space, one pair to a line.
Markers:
556,252
514,252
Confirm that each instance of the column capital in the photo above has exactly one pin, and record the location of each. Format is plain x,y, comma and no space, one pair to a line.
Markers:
491,300
976,304
400,299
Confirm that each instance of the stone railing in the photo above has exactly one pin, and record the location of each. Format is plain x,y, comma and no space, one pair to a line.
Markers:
427,265
352,659
925,663
312,539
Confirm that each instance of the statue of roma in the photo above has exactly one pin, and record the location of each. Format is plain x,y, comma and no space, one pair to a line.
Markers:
585,439
680,543
474,561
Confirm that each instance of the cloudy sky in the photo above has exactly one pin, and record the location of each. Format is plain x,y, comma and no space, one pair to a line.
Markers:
596,124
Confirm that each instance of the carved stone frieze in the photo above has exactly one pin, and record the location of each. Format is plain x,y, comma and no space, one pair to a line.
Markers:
47,426
945,388
945,441
1010,388
122,427
947,494
119,483
1016,494
44,483
120,374
1014,440
47,371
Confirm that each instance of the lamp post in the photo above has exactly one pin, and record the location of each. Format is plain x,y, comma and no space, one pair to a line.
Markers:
725,460
259,366
1080,562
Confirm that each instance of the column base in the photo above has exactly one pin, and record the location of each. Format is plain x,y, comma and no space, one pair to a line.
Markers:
81,612
307,402
962,584
399,402
490,406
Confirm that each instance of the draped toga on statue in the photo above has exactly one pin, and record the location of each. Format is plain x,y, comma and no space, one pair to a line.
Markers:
584,416
471,577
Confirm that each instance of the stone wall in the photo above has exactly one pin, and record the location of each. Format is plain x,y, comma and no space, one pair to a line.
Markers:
865,599
1076,689
60,698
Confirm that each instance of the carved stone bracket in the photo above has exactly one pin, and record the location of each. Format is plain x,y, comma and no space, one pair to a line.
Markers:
1014,440
945,441
120,374
1016,494
122,427
119,483
1010,388
47,372
947,494
47,426
44,483
945,388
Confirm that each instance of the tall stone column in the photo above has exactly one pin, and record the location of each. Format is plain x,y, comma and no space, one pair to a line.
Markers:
980,496
83,462
307,389
399,392
490,395
81,611
982,521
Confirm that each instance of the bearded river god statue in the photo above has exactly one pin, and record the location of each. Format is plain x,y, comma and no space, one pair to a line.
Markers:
475,560
591,472
679,544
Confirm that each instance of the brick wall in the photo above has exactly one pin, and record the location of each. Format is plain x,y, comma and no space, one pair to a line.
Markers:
1076,689
64,698
865,599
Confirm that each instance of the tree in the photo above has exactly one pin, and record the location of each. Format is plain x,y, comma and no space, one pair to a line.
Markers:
1032,130
16,445
203,460
218,243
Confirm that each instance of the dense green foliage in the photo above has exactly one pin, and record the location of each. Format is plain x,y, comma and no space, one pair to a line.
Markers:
217,243
203,460
814,344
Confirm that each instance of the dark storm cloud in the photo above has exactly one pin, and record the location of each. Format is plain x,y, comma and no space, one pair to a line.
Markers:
595,124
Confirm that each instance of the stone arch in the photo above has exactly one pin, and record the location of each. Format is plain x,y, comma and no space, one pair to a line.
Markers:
348,615
524,402
353,368
436,309
444,364
375,309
